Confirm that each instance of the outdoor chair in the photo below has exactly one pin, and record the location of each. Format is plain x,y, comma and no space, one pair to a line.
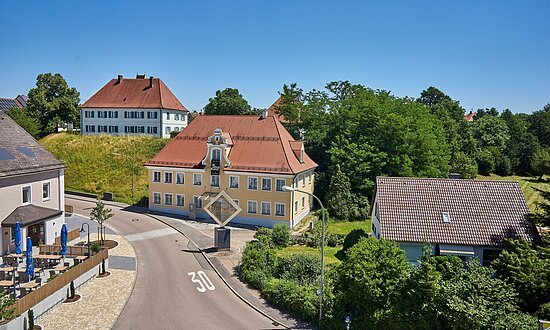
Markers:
2,275
38,280
22,276
67,264
52,273
23,292
10,261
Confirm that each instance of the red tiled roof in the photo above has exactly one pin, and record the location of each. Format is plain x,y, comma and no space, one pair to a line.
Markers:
481,213
259,145
271,111
470,117
134,93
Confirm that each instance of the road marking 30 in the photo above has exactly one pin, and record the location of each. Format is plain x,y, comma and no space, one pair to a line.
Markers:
202,280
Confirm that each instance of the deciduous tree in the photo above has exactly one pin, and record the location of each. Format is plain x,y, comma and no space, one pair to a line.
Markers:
24,119
227,102
101,214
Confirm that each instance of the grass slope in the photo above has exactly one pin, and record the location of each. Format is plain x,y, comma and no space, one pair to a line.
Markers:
527,183
92,167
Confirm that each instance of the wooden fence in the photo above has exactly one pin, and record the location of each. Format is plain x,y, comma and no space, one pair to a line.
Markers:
72,251
73,234
43,292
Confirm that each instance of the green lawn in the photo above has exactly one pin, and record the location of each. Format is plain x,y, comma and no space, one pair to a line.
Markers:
92,167
527,184
343,228
330,252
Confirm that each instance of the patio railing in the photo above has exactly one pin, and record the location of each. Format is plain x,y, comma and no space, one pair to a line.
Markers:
72,251
73,234
60,281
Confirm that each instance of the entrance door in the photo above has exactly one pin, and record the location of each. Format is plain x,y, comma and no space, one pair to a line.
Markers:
36,233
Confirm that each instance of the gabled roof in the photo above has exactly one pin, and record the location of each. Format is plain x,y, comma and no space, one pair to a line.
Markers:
19,102
20,153
259,145
135,93
470,117
481,213
29,214
272,113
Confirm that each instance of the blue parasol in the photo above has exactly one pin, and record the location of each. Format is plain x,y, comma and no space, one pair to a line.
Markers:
30,265
17,238
63,240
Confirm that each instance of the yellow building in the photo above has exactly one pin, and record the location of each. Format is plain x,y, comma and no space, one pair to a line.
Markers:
249,157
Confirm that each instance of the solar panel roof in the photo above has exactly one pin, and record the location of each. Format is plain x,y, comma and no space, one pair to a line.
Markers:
5,154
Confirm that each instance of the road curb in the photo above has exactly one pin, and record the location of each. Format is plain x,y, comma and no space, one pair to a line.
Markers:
205,257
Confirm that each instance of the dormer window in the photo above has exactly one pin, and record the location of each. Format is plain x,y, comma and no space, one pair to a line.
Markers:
216,154
446,217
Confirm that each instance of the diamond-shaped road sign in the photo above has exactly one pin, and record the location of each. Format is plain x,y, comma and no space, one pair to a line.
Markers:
222,208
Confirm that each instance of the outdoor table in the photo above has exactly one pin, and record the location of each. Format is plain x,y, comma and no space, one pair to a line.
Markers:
8,269
30,285
48,256
7,283
14,255
60,268
37,269
81,258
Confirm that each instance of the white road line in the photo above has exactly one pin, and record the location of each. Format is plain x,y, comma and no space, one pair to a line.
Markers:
151,234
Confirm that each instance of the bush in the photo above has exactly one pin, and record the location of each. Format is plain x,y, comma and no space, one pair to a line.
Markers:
95,247
293,297
263,235
353,238
258,264
280,235
300,268
544,312
334,239
30,315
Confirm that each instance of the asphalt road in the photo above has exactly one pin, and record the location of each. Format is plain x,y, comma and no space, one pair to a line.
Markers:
175,287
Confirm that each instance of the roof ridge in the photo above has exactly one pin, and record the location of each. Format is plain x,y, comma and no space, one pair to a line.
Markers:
282,143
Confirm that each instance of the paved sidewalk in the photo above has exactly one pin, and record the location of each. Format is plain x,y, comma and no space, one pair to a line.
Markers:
102,298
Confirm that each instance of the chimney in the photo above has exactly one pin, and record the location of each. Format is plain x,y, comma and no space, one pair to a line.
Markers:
119,79
151,82
140,76
264,114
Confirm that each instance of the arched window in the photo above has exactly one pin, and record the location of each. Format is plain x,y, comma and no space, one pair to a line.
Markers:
216,154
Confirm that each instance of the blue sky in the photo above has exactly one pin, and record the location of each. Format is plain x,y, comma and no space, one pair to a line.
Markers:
482,53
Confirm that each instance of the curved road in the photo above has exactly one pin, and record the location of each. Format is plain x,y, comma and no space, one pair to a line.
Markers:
164,295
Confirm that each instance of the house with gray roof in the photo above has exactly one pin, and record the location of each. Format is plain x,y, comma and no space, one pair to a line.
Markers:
465,218
31,188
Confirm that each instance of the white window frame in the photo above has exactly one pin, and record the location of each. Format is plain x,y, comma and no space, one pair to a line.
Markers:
182,177
284,183
248,207
252,177
171,199
195,199
262,208
171,177
309,178
212,153
159,196
303,181
276,209
233,177
154,176
270,184
195,175
295,206
49,184
23,195
182,196
212,176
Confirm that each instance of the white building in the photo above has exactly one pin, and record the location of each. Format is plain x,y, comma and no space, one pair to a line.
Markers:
31,189
133,106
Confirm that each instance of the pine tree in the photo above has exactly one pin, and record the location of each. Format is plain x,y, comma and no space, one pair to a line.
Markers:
339,197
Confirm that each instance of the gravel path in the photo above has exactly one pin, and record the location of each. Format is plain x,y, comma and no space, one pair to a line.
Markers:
102,299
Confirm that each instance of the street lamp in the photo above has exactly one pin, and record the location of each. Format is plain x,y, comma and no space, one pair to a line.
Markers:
348,321
125,156
287,188
88,230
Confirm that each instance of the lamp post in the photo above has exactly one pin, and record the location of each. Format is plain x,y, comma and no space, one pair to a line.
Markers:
125,156
287,188
88,230
348,321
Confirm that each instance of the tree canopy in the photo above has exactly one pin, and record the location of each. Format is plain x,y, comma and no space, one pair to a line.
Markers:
52,102
227,102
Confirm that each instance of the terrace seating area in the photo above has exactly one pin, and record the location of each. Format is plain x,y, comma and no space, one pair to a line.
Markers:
14,279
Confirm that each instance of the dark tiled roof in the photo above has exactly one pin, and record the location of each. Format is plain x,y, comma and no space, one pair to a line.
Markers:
6,104
481,212
20,153
29,214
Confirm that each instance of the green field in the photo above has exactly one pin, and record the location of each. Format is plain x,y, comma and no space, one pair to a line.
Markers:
330,252
527,183
93,167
